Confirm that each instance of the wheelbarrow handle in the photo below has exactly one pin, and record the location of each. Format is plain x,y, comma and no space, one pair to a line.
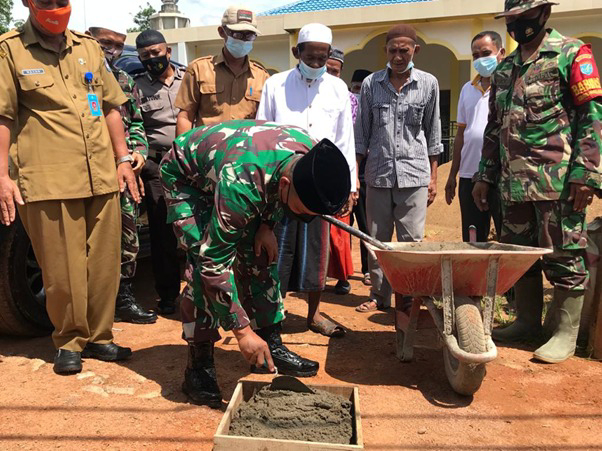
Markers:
353,231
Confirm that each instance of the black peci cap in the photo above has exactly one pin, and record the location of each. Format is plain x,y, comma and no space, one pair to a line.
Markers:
148,38
360,75
322,180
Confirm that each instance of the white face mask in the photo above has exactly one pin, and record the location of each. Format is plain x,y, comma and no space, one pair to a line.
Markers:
409,67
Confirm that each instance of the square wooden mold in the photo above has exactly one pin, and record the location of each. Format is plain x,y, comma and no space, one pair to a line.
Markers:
245,391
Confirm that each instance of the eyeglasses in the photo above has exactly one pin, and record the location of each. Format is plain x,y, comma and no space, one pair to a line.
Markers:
241,35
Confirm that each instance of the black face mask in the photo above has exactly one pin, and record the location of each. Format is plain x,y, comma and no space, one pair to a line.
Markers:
156,66
292,215
525,30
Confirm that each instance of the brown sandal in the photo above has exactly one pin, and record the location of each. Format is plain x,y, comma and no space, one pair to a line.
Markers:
368,306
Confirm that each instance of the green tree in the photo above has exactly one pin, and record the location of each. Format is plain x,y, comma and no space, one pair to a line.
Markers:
142,18
6,17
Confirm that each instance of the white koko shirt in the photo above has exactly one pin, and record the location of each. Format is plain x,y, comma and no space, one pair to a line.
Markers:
322,107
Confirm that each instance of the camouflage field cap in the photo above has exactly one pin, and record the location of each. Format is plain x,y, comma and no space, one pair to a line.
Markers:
514,7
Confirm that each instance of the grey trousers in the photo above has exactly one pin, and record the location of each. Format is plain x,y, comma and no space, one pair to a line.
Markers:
404,208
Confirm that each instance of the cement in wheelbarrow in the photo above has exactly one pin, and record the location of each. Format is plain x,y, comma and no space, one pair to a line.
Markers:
415,268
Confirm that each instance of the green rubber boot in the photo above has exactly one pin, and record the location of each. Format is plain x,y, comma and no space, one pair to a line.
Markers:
529,305
562,345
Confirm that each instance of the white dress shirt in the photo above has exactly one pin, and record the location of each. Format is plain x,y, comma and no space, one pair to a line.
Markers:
321,107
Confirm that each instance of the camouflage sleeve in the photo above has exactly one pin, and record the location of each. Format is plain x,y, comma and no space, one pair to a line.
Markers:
587,150
181,197
138,141
237,201
490,167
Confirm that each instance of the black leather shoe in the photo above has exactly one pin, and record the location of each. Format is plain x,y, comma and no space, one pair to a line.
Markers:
287,362
67,362
167,306
108,353
200,378
128,310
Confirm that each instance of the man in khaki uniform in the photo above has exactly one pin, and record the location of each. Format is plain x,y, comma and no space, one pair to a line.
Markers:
59,107
226,86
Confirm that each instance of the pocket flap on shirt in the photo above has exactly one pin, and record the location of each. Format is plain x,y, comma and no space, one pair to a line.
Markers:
211,89
151,105
30,82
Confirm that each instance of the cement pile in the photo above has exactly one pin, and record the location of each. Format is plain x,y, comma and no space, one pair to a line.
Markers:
287,415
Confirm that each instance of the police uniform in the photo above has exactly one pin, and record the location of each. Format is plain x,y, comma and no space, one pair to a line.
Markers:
542,136
160,113
62,161
215,93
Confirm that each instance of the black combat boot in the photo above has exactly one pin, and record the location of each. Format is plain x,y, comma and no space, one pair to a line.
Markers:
127,310
285,360
200,378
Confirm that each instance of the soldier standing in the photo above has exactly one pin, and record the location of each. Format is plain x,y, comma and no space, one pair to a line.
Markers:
158,88
59,106
542,148
226,186
126,307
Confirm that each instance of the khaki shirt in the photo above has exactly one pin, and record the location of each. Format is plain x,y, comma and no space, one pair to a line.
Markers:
159,110
59,151
212,91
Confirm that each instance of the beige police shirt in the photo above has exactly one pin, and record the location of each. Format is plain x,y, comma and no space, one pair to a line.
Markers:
159,110
215,94
60,150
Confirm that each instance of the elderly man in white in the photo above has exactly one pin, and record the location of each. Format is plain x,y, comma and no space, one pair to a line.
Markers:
308,97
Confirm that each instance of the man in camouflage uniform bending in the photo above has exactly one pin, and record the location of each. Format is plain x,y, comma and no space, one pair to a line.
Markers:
542,149
126,308
226,186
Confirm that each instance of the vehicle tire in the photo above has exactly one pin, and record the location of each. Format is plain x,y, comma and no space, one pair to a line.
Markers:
22,296
466,378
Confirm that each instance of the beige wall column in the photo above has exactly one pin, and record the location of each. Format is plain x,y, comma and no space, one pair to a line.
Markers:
511,44
292,40
455,88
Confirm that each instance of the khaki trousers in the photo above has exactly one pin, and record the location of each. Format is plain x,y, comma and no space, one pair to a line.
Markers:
77,244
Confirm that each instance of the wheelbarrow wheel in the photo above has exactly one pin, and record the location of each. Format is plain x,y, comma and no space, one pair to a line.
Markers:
466,378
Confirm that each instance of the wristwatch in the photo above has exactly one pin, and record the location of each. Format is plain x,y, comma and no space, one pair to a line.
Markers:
127,158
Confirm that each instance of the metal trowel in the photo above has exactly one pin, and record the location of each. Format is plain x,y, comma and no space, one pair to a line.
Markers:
289,383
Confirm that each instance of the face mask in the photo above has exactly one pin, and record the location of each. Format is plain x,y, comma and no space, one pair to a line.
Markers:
156,66
238,48
525,30
486,66
53,21
309,72
410,66
356,95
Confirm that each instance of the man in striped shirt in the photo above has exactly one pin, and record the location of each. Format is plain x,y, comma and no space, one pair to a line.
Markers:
398,130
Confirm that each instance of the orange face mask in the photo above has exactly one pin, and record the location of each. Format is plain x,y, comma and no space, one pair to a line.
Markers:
54,21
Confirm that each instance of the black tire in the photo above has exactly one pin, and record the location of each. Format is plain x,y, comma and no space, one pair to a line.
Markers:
22,296
466,378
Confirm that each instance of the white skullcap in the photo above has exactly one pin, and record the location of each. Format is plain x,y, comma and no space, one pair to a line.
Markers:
315,32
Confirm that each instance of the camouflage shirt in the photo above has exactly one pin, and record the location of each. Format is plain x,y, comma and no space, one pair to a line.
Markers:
135,136
543,133
221,182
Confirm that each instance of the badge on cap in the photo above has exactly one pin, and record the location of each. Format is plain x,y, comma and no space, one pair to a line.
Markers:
244,16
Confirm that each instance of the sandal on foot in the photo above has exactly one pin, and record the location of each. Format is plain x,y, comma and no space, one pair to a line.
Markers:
366,280
368,306
327,328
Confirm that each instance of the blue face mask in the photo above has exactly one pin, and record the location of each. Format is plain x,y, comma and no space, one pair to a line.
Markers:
238,48
486,66
309,72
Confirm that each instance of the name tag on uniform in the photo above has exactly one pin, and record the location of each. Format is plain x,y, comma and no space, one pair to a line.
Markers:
94,105
33,71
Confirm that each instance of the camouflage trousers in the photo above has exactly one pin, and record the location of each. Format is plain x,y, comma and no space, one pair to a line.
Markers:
554,225
129,235
257,283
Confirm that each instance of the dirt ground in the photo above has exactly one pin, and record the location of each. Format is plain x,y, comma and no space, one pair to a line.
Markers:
138,404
